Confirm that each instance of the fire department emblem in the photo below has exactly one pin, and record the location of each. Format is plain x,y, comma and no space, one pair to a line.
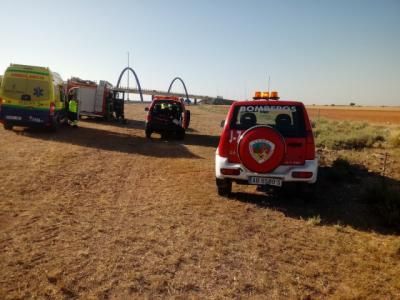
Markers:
261,150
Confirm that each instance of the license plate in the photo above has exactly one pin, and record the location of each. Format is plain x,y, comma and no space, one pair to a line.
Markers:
35,120
265,181
15,118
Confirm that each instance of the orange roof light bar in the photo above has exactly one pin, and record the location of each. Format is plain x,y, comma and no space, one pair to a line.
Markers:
274,95
266,95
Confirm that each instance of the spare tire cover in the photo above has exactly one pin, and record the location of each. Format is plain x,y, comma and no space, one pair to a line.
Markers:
261,149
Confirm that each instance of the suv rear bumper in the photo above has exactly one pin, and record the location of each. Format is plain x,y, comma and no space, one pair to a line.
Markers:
164,127
283,172
26,117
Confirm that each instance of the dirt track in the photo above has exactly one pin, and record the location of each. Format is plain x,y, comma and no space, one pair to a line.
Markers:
102,212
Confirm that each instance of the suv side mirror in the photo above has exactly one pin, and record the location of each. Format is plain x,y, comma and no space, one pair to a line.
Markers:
146,109
223,123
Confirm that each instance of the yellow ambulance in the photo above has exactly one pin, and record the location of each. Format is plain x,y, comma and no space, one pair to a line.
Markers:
31,96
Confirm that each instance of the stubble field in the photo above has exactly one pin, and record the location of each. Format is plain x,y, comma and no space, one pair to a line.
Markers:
381,115
101,212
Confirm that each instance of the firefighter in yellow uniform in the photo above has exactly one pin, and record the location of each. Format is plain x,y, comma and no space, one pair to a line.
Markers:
73,112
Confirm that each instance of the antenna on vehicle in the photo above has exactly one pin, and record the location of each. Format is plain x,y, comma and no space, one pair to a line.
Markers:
269,85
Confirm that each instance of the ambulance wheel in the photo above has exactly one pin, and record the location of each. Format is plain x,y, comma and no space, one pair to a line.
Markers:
64,121
224,187
55,124
7,126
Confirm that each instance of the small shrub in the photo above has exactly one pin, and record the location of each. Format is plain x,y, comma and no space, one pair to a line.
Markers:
339,227
314,221
394,138
342,163
358,126
313,124
343,170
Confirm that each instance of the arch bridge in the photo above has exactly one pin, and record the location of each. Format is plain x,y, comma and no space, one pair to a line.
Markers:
150,92
139,88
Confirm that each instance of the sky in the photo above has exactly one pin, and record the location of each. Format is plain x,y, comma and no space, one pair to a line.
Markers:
318,52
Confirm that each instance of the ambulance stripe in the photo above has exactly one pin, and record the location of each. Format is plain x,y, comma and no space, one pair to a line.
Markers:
27,107
27,71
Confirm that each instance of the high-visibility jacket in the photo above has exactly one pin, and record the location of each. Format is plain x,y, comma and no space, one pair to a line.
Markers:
73,106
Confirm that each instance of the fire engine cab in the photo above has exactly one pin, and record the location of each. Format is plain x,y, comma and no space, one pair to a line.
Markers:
266,142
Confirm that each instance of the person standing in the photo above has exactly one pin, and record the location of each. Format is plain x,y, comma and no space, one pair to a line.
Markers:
73,112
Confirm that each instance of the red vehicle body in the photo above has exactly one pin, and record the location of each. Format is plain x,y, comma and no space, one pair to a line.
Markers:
167,115
266,142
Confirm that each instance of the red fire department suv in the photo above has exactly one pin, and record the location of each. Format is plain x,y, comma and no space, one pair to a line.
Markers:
167,115
266,142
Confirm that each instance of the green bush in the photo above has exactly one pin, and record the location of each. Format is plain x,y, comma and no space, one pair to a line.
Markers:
342,170
348,135
339,173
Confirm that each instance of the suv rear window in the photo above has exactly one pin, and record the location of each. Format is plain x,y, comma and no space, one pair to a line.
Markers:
287,119
167,107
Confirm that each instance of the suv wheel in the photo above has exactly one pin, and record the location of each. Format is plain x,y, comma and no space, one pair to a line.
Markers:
7,126
148,132
180,135
224,187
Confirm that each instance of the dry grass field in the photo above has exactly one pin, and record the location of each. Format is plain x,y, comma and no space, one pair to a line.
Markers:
101,212
386,115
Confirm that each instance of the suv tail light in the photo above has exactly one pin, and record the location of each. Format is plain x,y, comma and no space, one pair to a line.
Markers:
149,117
52,108
223,145
302,174
226,171
310,146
